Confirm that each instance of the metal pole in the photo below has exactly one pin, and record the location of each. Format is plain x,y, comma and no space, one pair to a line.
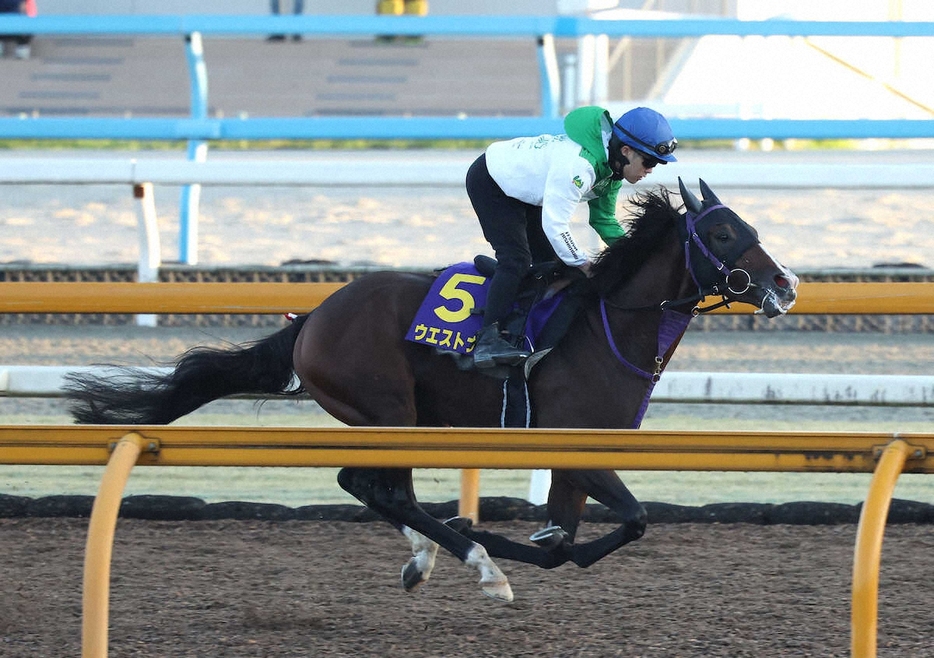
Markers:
601,69
568,82
586,47
197,151
868,551
470,494
150,249
99,547
551,78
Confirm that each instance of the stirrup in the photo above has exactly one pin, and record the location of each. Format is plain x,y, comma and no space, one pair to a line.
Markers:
513,357
491,349
549,537
459,523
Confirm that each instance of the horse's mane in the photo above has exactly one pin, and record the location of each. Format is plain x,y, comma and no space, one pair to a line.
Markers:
649,222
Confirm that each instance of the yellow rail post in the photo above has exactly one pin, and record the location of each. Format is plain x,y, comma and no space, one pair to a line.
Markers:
868,551
469,504
99,546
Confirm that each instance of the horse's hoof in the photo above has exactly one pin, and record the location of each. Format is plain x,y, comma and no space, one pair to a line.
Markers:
493,582
412,577
498,590
550,537
459,523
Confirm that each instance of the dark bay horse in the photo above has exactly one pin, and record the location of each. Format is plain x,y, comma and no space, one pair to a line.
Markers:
350,355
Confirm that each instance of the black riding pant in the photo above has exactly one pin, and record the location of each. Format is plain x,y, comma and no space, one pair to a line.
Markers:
514,230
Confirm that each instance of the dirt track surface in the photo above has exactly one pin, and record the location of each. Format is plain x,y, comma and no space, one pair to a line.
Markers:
251,588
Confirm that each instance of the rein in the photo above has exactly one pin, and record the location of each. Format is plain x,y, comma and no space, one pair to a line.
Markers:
671,326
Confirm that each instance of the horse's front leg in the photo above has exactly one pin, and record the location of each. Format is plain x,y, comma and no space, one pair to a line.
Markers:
502,547
566,501
570,489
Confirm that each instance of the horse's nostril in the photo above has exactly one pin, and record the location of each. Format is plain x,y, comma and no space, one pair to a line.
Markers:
782,282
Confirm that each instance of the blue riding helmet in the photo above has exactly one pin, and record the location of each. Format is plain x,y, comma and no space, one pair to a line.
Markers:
648,132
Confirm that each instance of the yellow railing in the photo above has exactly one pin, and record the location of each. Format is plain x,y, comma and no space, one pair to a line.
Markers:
451,447
868,553
95,607
42,297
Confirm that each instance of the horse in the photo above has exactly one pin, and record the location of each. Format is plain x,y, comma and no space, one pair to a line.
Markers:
349,355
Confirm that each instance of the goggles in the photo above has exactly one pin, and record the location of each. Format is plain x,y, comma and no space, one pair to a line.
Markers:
649,161
662,148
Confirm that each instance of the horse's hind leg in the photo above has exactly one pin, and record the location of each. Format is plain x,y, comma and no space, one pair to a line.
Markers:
365,485
503,547
388,491
569,492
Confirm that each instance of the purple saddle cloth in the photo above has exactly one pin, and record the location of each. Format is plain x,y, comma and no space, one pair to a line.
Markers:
448,318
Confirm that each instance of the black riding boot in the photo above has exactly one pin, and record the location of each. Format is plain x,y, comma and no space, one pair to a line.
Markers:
492,349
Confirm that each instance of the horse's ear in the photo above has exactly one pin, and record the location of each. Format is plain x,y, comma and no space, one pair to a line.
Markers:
690,201
708,194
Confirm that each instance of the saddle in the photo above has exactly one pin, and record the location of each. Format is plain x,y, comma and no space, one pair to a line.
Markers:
546,305
544,308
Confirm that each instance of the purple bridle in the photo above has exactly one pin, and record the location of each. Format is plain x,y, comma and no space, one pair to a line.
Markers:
691,221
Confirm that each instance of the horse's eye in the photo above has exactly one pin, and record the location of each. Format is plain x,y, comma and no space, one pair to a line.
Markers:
723,236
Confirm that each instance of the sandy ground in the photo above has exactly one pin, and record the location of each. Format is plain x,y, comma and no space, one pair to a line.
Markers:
428,227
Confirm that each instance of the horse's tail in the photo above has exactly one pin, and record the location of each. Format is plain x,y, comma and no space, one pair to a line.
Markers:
133,396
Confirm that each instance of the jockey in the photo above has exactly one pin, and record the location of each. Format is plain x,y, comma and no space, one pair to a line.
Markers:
526,190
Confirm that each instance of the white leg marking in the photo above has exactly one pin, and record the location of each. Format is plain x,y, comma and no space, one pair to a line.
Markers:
424,552
493,582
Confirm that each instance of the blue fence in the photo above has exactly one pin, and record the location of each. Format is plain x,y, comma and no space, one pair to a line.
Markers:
415,128
460,26
200,127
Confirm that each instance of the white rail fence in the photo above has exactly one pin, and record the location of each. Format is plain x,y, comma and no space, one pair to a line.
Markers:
411,168
673,387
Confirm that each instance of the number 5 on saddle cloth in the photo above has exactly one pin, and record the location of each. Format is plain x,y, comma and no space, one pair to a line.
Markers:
451,314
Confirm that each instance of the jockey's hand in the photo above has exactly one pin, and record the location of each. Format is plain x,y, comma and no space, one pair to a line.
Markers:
585,268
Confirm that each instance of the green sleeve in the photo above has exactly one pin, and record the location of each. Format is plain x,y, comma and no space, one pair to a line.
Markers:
603,216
